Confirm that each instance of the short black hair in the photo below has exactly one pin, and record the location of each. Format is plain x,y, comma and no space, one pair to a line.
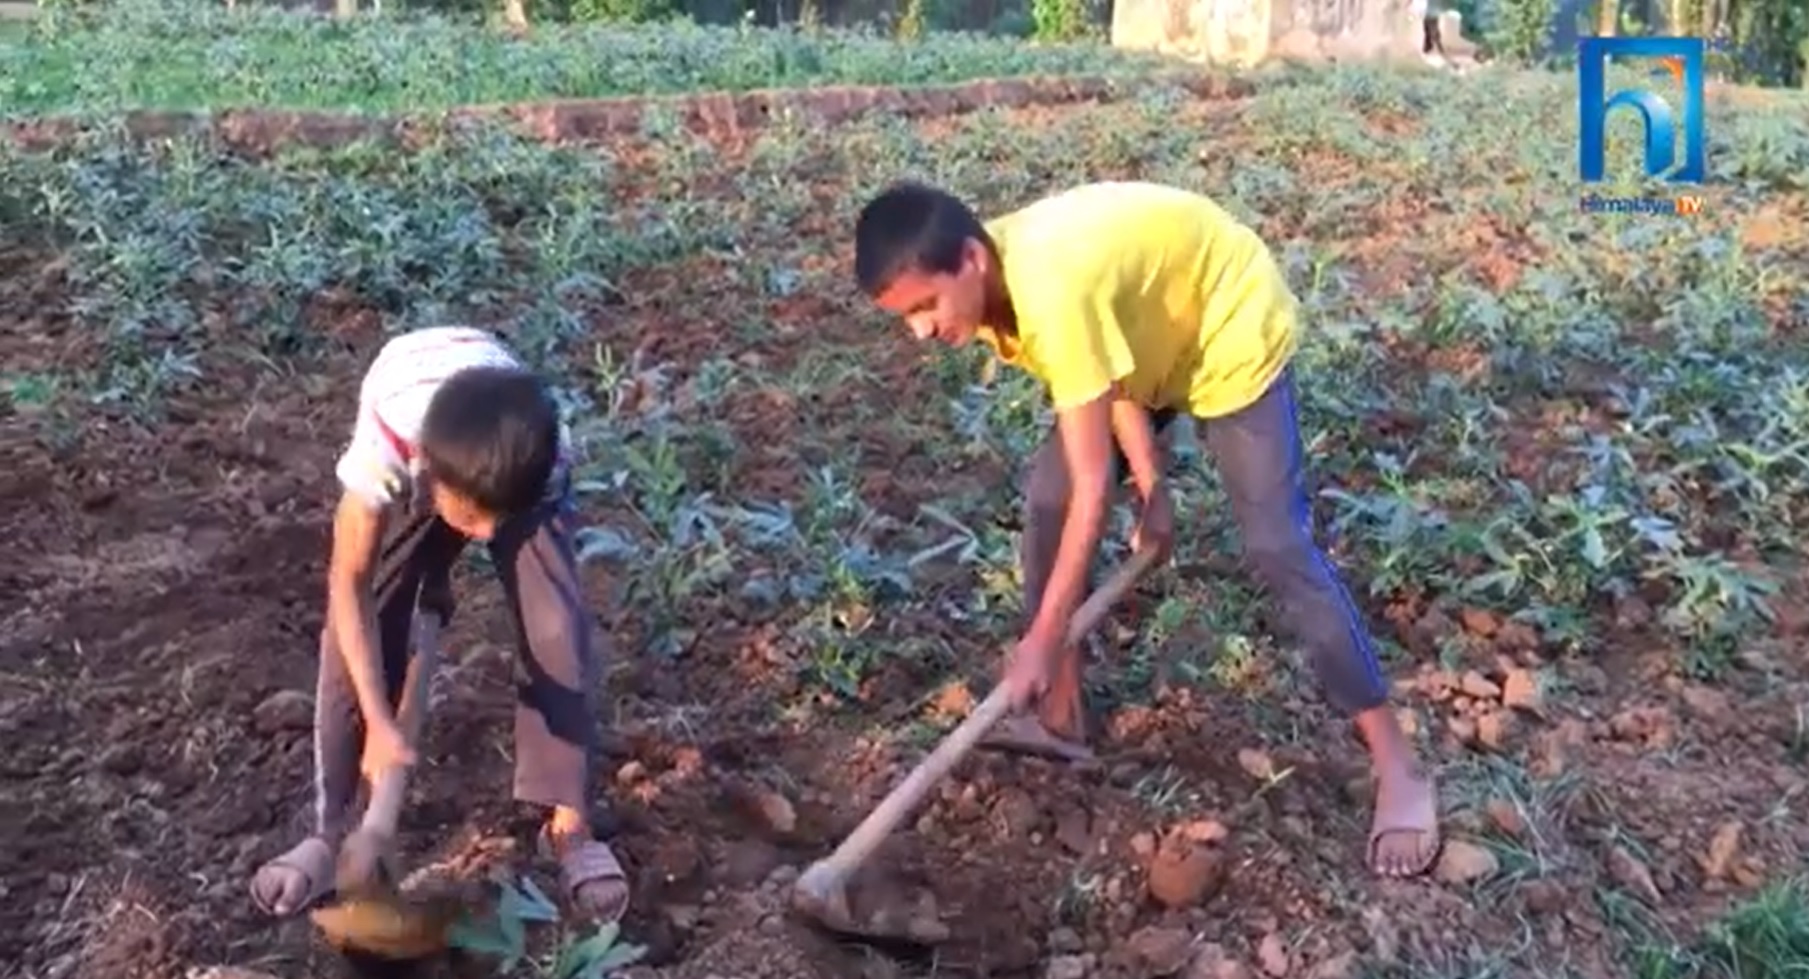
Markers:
911,227
491,434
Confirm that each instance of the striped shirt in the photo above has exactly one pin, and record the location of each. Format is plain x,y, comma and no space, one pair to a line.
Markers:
382,463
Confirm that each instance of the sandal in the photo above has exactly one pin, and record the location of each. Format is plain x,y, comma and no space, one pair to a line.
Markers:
1416,817
295,881
590,874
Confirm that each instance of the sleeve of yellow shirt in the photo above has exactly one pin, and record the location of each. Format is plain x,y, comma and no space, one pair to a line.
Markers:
1076,341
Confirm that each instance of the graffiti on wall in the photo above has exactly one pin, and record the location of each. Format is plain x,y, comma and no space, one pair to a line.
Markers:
1237,31
1328,16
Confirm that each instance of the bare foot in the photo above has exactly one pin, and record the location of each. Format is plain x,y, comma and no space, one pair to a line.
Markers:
1404,836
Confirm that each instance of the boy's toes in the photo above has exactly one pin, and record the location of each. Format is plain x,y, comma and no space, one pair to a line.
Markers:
1403,853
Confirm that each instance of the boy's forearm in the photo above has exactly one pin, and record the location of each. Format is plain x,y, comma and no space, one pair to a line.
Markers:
1136,438
1081,530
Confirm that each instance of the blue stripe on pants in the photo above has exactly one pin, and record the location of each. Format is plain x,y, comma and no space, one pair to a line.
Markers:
1260,456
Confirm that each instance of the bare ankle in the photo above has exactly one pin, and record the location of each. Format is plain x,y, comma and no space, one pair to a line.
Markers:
568,823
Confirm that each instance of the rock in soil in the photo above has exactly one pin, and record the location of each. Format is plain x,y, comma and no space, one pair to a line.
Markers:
886,906
1520,690
746,863
285,710
1629,872
1463,862
1211,961
769,809
1342,966
1159,951
1073,830
1183,874
1506,817
1721,851
1273,956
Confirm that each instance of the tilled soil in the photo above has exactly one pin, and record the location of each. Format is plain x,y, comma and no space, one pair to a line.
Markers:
157,642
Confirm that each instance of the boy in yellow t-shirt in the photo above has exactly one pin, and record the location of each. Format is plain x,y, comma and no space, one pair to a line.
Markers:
1135,302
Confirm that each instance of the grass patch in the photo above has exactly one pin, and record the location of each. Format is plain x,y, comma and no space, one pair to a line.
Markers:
176,54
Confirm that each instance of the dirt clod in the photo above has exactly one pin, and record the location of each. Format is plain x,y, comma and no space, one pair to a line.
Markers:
1474,684
1212,961
1015,815
1272,956
952,703
631,773
284,710
1506,817
1543,896
1722,849
1632,873
1256,763
1520,690
773,812
1158,951
1340,966
746,863
1073,830
1463,862
1183,874
1706,703
1204,831
1492,729
1479,622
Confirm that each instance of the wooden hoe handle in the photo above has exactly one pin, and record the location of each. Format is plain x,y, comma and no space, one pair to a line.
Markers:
897,806
387,795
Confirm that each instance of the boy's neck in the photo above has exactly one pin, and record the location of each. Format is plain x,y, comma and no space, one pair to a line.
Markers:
999,312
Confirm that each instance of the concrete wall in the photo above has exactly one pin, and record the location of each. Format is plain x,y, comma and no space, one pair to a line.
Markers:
1244,32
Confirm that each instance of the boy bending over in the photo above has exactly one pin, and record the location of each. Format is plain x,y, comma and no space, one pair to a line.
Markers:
454,442
1133,303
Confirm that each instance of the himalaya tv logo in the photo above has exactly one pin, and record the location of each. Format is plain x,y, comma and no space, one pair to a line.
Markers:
1680,61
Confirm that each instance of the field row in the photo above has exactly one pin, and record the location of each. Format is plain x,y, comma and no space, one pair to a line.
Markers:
719,116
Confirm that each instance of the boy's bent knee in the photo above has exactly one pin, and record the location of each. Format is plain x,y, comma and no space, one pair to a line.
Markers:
1320,613
562,674
1289,565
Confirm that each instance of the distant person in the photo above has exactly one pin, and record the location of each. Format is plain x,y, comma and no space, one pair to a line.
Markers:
454,442
1432,45
1134,304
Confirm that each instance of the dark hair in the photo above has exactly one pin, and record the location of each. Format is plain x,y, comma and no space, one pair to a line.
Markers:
492,434
911,227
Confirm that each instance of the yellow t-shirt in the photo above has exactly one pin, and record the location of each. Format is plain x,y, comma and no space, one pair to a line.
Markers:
1153,287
